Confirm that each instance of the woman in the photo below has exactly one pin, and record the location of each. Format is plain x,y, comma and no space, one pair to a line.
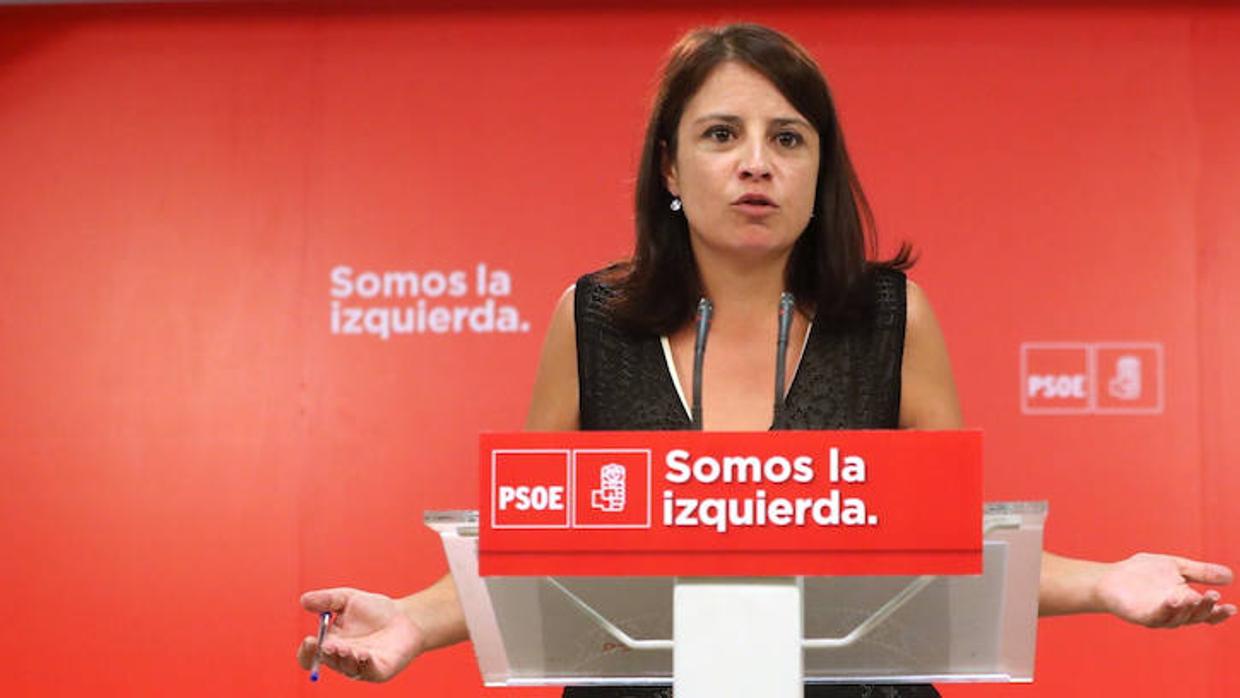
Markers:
745,192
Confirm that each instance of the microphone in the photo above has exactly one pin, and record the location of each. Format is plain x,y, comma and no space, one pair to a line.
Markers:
705,308
781,349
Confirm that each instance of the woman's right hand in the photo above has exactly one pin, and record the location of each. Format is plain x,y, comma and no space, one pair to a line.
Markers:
370,638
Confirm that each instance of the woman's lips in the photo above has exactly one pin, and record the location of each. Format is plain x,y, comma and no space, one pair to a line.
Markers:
755,205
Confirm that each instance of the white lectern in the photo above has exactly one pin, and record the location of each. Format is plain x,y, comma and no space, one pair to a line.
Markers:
778,631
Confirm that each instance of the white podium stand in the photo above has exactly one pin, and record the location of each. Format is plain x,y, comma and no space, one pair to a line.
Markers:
757,636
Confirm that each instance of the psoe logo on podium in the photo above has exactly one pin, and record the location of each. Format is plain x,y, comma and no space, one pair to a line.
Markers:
1130,378
530,488
611,488
1056,378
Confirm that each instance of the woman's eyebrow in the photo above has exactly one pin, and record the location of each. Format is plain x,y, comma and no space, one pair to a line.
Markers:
726,118
734,119
790,121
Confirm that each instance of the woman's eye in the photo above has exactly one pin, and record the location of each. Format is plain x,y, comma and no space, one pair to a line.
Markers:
789,139
719,134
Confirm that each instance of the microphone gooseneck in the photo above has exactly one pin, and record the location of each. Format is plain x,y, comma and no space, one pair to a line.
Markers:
705,309
781,349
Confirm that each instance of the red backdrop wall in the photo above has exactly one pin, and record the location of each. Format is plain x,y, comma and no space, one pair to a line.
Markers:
190,437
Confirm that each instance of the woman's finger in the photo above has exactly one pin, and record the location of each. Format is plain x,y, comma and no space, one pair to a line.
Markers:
1166,615
306,651
347,662
330,600
1203,572
335,661
1221,613
1187,603
1203,608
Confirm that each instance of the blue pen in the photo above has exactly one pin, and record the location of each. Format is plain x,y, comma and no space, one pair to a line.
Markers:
324,617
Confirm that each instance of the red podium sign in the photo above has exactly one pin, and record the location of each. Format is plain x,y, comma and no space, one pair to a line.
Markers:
728,503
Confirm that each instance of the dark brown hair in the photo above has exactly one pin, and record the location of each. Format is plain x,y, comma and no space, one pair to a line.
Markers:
828,269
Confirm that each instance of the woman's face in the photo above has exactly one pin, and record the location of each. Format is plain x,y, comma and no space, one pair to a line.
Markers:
746,166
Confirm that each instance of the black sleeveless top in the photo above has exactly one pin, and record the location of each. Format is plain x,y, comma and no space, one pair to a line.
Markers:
848,378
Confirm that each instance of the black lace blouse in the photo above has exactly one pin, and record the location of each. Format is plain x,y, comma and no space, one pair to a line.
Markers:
848,378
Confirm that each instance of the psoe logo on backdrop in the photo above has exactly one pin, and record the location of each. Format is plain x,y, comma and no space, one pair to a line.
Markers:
1091,378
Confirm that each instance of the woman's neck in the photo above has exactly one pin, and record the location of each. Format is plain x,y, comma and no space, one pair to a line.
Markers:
743,291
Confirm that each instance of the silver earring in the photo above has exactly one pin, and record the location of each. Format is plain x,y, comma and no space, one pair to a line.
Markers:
676,205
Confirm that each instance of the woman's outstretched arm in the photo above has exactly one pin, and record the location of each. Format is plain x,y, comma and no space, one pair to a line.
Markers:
374,637
1146,589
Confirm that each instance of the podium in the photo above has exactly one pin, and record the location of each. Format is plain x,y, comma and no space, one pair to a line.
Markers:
710,635
532,631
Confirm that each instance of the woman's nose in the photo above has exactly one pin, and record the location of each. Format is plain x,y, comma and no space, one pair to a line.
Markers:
755,162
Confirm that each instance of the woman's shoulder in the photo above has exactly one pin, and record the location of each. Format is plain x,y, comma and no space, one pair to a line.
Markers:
885,279
889,295
595,293
603,282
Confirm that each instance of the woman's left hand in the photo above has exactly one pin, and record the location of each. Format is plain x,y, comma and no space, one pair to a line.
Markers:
1153,590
